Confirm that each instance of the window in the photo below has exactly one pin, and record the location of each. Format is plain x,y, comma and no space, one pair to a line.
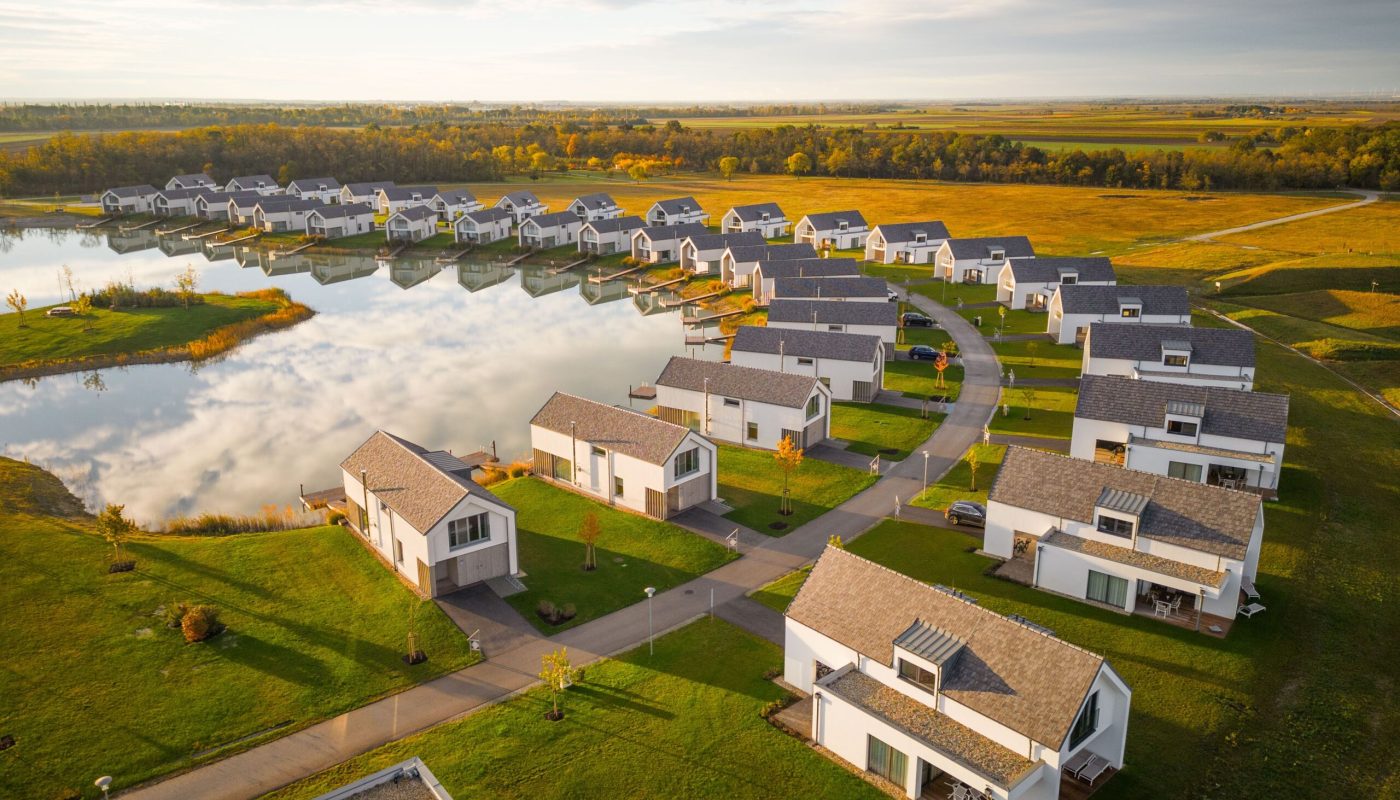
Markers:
1069,280
886,761
617,486
751,431
1187,472
1175,361
563,469
731,402
998,256
462,532
598,451
836,328
814,405
1115,525
805,362
398,552
1181,428
688,462
1130,313
910,671
1108,589
1087,723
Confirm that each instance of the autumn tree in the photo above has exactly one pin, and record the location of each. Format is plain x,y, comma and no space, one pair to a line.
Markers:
789,457
1031,349
557,674
17,301
588,533
68,282
940,363
1028,400
115,528
728,166
638,172
973,459
834,540
186,282
82,306
798,163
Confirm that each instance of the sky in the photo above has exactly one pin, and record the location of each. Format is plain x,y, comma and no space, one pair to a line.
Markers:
684,51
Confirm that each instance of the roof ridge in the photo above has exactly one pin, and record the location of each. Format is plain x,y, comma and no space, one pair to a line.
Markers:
617,407
1152,475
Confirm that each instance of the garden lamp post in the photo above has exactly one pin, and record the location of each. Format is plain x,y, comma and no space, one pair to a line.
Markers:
651,642
925,470
104,783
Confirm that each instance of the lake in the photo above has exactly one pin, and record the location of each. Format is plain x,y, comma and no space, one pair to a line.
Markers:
453,357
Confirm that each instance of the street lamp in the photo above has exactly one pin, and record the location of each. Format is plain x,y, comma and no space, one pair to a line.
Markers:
925,470
651,643
104,783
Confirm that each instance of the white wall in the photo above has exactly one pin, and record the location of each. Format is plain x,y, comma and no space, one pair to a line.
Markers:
887,333
840,376
729,423
1193,374
595,472
1146,458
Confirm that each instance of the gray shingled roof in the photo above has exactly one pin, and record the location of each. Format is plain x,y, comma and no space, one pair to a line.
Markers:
1227,412
979,247
399,193
253,180
520,198
222,198
184,194
809,268
772,252
132,191
807,344
283,202
1079,299
486,216
555,219
1028,681
314,184
622,430
343,210
193,177
369,187
415,213
754,212
829,287
719,241
904,232
783,310
405,477
1047,269
669,233
595,201
678,205
742,383
625,224
1185,513
831,220
1225,347
454,197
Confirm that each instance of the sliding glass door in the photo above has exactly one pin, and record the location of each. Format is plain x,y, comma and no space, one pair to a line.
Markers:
887,762
1107,589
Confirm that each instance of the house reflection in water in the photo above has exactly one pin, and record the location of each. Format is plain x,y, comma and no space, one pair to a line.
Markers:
407,273
282,265
176,246
475,276
538,281
132,241
598,293
328,269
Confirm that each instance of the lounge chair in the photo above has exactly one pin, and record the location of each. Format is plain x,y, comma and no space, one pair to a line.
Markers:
1250,610
1249,590
1080,760
1094,770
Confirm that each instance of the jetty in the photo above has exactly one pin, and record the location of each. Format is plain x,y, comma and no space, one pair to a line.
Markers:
142,226
702,339
83,226
182,229
394,253
657,286
448,258
253,235
617,275
284,253
569,266
711,317
681,301
194,236
643,392
519,258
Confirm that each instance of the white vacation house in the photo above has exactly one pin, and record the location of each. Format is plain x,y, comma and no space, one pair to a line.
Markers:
905,242
869,319
839,230
1073,308
367,193
138,199
1175,353
522,205
243,206
451,204
979,260
392,199
738,263
661,244
702,253
262,184
483,227
1029,283
177,202
215,205
766,218
283,213
747,406
607,236
852,365
339,220
326,190
549,230
197,180
411,224
768,272
861,290
596,206
676,211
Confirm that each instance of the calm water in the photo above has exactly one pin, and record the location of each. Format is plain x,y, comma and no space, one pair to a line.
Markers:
452,357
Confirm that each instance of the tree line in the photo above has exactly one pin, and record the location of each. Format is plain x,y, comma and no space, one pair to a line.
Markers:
1296,158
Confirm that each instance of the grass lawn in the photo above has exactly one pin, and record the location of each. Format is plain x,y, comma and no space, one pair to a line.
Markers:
750,482
95,684
778,594
918,379
126,331
1039,359
681,723
950,293
908,337
876,429
634,552
438,241
1016,321
1376,313
370,240
1051,411
954,485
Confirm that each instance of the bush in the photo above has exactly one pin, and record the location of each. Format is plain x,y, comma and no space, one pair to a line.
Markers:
335,518
545,609
200,623
629,261
774,706
567,611
271,519
175,614
118,294
555,615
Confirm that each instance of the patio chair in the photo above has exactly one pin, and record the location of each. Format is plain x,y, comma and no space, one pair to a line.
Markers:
1162,608
1176,603
1250,610
1094,770
1080,760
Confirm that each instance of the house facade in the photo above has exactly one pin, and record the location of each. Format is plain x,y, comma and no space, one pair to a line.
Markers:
1029,283
243,207
623,457
367,193
279,214
412,224
550,230
483,227
129,199
177,202
905,242
393,199
838,230
522,205
738,263
701,254
676,211
1222,437
923,687
1073,308
746,406
215,205
1221,357
607,236
1119,537
339,220
768,272
851,365
979,260
262,184
196,181
451,204
324,190
661,244
868,319
837,289
766,218
423,515
596,206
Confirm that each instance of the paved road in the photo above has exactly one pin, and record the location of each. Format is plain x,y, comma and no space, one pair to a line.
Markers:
280,762
1368,196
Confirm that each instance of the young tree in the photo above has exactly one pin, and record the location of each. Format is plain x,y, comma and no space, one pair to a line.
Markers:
115,528
728,166
82,306
186,282
940,363
1001,312
557,673
974,460
798,163
1031,349
638,172
789,458
1028,400
588,533
68,282
17,301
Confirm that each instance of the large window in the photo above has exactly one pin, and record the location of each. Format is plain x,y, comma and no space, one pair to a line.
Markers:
687,462
910,671
470,530
1115,525
1187,472
887,762
1107,589
814,405
1087,723
563,469
1181,428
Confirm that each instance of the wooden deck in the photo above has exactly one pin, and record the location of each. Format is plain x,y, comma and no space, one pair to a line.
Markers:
1070,788
1186,618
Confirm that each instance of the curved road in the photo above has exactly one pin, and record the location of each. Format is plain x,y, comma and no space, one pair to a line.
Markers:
1368,196
292,757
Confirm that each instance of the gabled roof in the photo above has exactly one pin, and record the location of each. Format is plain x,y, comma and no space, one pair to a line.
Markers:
184,194
370,187
1224,412
903,232
454,197
1193,515
719,241
786,310
398,193
829,287
415,213
771,252
413,481
1028,681
1046,269
342,210
742,383
1225,347
979,247
554,220
665,233
831,220
314,184
616,224
810,268
219,197
621,430
193,178
678,205
254,180
277,203
486,216
595,202
1164,300
132,191
860,347
520,198
754,212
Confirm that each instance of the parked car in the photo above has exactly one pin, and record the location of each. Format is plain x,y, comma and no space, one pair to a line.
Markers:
891,295
922,352
915,320
966,512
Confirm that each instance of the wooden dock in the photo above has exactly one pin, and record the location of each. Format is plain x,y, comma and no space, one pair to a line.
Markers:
519,258
643,392
171,231
711,317
681,301
194,236
617,275
716,339
394,253
142,226
567,267
657,287
83,226
448,258
253,235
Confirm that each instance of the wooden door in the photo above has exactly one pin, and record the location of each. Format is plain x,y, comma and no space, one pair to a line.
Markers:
425,578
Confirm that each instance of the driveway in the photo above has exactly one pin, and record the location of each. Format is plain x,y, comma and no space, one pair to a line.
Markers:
498,626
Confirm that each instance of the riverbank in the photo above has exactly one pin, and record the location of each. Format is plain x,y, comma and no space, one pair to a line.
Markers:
36,345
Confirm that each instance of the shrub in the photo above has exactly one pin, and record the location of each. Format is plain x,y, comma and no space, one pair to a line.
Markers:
175,614
774,706
335,517
271,519
545,609
200,623
118,294
629,261
555,615
568,611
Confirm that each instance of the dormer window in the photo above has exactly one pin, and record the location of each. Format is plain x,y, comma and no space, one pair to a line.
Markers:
1115,525
1117,512
920,238
765,216
996,256
1181,427
841,226
1069,278
914,673
1175,360
1130,312
924,652
1176,353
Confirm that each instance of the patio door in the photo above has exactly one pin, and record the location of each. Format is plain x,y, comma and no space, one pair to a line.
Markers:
887,762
